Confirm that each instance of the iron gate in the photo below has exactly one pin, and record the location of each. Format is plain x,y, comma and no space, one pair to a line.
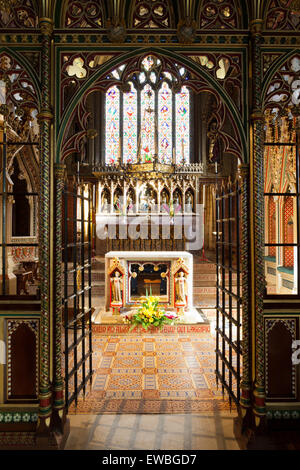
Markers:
77,299
228,291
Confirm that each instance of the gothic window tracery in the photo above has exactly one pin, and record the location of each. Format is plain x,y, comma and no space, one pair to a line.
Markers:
148,116
152,14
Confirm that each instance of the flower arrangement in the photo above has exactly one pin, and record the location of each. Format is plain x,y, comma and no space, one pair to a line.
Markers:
150,313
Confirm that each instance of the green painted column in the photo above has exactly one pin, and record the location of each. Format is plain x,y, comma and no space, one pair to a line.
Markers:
246,383
257,224
58,415
45,120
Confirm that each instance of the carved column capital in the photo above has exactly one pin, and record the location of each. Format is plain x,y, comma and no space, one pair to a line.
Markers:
256,27
46,26
59,169
45,115
257,115
244,170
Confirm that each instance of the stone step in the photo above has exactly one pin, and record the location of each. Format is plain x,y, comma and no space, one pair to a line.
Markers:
204,291
98,264
98,290
204,268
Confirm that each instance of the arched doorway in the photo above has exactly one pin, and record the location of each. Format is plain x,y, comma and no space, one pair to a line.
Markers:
125,131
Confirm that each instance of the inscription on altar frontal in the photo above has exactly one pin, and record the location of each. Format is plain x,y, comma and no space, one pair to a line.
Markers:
122,329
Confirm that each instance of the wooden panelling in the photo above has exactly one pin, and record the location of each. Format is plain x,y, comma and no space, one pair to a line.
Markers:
22,359
280,372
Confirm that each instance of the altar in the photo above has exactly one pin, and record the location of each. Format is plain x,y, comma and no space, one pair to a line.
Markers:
131,276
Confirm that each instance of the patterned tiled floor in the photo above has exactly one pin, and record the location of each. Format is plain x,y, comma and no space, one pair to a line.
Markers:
152,374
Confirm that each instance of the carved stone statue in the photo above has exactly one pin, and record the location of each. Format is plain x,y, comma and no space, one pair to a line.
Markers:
164,203
176,203
116,284
130,205
143,206
189,203
105,205
152,202
180,288
118,203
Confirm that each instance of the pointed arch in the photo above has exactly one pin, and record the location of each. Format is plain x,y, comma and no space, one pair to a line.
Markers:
201,80
277,91
23,67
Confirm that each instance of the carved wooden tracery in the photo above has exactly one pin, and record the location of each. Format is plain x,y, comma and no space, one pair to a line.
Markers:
152,14
219,14
18,14
226,69
283,15
283,92
19,101
84,14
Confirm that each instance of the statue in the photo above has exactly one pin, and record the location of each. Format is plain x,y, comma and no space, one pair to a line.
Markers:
143,207
176,203
105,205
116,282
130,205
180,289
117,203
164,203
189,203
152,202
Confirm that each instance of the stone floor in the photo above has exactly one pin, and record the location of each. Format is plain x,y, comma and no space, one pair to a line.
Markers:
210,431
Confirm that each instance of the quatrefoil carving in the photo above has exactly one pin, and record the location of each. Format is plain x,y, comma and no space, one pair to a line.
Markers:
77,68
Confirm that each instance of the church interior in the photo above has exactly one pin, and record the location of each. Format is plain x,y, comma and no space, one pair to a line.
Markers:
149,224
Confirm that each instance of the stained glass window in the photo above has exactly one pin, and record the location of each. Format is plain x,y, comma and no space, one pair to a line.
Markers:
130,126
165,137
149,120
112,128
183,126
147,137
